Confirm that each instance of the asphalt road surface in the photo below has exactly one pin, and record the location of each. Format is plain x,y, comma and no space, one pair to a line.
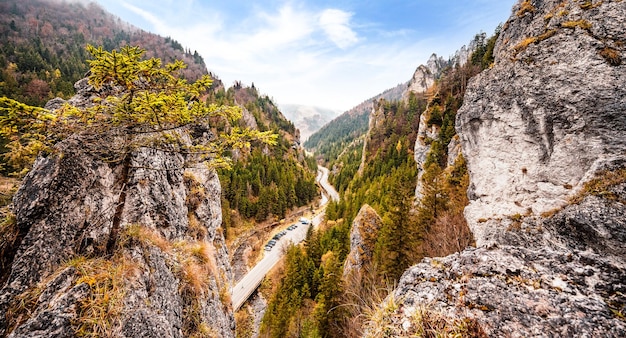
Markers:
322,178
246,286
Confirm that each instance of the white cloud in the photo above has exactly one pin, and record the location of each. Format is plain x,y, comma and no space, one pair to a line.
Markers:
335,24
146,15
294,53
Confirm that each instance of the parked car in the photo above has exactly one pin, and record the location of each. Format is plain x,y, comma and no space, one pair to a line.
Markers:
305,220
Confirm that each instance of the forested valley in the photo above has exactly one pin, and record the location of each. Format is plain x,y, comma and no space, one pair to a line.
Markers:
313,298
266,182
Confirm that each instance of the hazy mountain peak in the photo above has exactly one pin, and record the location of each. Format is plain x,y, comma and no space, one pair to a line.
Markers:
308,119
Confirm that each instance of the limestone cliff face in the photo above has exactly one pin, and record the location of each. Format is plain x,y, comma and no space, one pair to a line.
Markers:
376,118
138,240
422,148
363,235
544,135
549,114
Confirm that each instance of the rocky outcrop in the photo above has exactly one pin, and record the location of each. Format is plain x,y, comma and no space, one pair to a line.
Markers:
248,119
376,118
422,79
462,55
549,114
363,235
560,276
122,248
454,150
425,135
543,135
425,75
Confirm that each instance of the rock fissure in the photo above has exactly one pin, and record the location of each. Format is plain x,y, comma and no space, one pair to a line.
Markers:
119,206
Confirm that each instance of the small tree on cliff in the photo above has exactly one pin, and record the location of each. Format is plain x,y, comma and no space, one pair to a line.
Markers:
137,103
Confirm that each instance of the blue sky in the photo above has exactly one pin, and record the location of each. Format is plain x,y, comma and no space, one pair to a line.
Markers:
332,54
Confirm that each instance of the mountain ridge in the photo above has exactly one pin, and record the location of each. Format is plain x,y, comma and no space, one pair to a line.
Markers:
43,47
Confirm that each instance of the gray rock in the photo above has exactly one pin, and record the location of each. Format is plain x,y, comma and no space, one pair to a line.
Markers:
436,64
559,276
425,135
76,203
422,79
515,292
58,301
546,117
376,119
258,307
454,150
363,235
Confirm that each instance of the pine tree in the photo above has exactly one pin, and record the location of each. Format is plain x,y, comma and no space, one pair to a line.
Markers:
399,236
148,104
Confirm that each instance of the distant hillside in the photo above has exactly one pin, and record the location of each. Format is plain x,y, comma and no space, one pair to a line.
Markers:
331,139
308,119
42,46
267,182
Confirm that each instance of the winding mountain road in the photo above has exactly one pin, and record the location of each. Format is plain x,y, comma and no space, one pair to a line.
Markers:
322,179
251,281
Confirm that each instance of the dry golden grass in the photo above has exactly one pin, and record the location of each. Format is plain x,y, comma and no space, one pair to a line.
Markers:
9,234
611,56
525,7
583,24
590,5
22,307
194,280
601,185
195,266
429,323
527,42
144,235
8,187
196,269
380,321
586,5
198,264
196,193
425,322
547,34
550,213
100,314
196,229
203,330
245,323
524,44
362,295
